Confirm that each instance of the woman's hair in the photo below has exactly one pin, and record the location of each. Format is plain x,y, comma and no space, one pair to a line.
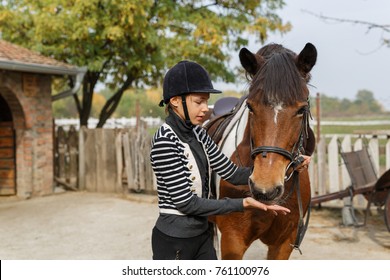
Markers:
167,108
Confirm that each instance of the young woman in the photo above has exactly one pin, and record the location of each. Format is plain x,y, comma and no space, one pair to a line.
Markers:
182,157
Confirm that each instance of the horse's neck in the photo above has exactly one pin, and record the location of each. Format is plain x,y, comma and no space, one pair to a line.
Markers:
232,137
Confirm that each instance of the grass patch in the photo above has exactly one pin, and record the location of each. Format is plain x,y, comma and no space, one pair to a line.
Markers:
351,129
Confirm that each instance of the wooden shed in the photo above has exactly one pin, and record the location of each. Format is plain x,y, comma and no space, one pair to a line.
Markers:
26,119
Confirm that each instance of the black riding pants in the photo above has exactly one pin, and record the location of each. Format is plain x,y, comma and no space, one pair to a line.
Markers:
172,248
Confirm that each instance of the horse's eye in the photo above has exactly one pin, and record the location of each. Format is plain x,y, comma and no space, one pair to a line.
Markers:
302,111
249,107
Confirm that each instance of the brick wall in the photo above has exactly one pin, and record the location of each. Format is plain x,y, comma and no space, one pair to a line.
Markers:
29,98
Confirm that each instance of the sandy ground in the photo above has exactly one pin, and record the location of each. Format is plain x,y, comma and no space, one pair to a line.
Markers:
90,226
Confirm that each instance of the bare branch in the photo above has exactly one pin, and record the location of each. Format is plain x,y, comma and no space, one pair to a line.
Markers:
370,25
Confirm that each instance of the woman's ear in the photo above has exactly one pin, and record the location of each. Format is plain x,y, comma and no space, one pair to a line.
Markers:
175,101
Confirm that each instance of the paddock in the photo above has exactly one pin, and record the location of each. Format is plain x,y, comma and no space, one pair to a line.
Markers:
103,226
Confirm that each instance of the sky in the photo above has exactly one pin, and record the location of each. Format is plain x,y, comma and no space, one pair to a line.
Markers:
350,56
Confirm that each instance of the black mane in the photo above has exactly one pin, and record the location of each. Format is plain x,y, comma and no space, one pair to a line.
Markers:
278,79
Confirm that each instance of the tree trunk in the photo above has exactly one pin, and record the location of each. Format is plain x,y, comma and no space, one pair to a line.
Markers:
89,84
112,103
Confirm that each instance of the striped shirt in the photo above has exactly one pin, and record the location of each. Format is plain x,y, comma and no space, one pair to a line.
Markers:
183,211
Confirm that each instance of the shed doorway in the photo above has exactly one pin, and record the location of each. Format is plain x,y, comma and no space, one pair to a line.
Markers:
7,150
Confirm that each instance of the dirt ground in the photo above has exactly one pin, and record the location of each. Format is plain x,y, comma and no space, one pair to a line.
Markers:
90,226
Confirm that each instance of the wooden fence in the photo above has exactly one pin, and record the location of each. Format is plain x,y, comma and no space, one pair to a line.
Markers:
108,160
117,160
328,173
66,157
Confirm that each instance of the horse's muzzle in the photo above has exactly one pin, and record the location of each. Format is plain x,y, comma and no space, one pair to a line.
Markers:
271,195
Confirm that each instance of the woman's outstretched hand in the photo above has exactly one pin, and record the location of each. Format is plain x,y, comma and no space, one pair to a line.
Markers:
250,202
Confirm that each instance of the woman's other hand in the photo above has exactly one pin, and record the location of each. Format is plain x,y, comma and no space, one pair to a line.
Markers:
304,165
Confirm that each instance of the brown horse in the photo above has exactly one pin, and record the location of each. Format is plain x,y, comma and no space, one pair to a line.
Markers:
269,131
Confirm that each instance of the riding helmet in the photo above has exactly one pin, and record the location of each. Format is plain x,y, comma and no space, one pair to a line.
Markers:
186,77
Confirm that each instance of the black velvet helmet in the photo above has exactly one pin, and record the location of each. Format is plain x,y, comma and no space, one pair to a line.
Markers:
186,77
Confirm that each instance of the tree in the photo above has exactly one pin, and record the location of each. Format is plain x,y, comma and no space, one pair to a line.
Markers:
131,43
366,101
329,104
363,104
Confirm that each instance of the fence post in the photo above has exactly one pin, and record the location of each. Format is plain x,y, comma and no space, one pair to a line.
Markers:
119,159
141,157
333,165
346,146
72,150
358,144
61,148
388,153
356,147
321,165
127,156
373,145
82,133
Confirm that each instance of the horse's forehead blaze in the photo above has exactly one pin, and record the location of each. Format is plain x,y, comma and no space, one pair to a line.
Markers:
275,124
277,108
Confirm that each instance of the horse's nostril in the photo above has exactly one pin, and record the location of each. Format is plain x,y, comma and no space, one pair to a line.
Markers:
278,190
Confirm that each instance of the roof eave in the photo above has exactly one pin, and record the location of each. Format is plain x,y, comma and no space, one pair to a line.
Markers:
40,68
76,72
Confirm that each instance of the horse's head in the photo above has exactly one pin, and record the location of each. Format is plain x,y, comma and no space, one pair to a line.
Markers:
278,103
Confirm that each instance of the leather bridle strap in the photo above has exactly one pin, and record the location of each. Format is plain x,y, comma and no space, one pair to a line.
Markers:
263,150
302,226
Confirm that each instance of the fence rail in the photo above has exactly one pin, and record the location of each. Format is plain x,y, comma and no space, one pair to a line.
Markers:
117,160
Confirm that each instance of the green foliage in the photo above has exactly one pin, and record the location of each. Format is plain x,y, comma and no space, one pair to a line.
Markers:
132,99
332,108
131,43
64,108
351,129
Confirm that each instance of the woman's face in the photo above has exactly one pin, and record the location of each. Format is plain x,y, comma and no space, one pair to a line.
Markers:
197,105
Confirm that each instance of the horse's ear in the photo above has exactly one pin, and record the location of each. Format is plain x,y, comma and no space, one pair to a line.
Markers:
307,58
250,61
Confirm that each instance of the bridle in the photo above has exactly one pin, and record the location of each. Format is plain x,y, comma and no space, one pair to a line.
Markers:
295,159
295,155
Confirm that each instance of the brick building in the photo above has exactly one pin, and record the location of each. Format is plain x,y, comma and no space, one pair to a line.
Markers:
26,120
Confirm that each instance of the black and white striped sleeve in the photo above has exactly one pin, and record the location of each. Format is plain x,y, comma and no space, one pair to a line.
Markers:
221,164
171,175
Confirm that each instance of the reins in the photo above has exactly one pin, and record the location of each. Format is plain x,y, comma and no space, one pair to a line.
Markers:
302,225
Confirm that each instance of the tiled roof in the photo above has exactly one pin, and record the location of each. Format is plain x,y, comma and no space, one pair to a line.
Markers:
13,53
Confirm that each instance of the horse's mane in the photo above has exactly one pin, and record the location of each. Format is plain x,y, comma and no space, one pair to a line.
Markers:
278,79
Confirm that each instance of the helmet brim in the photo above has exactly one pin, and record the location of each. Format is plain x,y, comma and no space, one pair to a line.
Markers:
204,91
